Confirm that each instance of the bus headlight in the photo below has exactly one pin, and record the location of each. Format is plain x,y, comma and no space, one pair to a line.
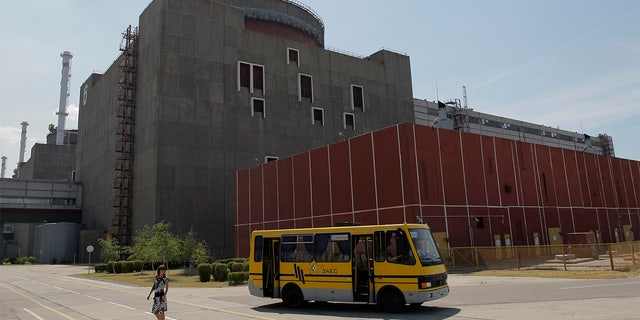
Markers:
423,283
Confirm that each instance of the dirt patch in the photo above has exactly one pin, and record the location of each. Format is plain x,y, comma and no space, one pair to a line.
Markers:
569,274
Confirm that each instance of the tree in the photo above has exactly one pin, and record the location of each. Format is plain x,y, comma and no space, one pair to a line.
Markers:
194,251
166,245
201,254
156,244
189,245
143,249
109,250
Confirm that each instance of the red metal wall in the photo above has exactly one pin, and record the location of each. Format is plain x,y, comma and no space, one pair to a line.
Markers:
411,173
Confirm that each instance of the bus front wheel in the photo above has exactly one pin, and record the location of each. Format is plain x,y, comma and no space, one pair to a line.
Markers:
292,296
391,300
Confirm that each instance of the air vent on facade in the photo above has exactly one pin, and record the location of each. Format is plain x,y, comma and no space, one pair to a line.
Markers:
8,228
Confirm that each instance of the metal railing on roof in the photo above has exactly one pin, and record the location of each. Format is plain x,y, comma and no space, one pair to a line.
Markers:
307,9
348,53
357,55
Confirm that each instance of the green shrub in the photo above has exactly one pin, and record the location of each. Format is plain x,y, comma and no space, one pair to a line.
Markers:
237,278
119,266
220,271
101,267
235,266
214,265
204,271
111,266
137,265
25,260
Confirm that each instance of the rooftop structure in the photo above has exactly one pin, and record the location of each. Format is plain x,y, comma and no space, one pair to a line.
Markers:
454,116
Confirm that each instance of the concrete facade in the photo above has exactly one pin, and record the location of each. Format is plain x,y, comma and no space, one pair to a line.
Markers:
200,118
49,162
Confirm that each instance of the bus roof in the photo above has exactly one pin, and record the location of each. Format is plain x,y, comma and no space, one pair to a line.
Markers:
353,229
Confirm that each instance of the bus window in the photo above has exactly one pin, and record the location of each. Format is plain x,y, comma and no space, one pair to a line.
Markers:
425,247
332,247
297,248
257,249
398,249
379,247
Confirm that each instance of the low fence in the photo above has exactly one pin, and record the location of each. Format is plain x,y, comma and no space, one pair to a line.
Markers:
603,256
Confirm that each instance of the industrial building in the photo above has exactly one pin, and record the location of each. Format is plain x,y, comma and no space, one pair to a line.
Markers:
205,89
26,205
456,115
473,190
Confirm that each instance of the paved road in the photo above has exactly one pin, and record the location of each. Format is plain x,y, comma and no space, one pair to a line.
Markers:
49,292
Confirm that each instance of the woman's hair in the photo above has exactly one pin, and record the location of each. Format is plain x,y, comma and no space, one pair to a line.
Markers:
161,267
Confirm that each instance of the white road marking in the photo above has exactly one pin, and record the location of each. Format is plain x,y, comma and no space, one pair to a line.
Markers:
94,298
169,318
121,305
33,314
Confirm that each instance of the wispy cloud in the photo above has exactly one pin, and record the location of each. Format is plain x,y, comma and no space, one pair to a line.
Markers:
9,135
72,116
550,52
591,104
508,72
73,110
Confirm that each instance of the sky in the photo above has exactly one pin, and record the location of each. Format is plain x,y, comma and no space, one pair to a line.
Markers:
571,64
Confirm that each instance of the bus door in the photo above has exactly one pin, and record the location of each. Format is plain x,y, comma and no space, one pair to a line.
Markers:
362,267
271,268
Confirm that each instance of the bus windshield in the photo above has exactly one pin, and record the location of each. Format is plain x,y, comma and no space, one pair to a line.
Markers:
425,246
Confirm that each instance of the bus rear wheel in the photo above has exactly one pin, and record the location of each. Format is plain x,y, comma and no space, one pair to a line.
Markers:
292,297
391,300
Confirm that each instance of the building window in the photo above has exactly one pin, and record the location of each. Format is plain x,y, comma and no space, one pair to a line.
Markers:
257,107
258,77
244,75
292,56
349,121
305,87
250,76
357,97
317,116
270,158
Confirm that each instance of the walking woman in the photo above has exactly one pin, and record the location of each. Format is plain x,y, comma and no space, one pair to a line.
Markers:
159,290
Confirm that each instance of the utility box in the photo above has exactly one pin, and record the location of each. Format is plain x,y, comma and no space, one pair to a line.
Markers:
583,244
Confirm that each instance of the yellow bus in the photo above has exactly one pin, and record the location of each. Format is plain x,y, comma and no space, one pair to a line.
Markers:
389,265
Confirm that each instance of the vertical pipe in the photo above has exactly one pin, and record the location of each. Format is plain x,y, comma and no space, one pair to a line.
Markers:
4,166
23,141
64,96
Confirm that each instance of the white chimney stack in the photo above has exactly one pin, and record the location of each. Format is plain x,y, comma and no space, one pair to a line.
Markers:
23,141
64,96
3,169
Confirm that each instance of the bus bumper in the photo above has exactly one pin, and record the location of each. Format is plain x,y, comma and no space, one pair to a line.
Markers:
255,290
422,296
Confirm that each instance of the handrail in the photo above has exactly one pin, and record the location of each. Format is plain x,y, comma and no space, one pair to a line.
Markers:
307,9
348,53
